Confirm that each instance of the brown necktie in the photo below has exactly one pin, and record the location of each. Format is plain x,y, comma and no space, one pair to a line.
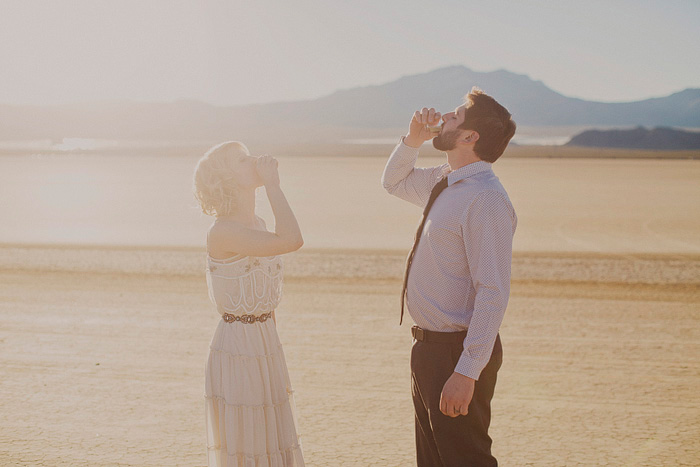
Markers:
437,189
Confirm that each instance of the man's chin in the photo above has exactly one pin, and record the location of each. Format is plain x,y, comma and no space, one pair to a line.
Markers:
440,145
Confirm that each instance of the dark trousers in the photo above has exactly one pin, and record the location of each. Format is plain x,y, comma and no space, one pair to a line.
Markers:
443,441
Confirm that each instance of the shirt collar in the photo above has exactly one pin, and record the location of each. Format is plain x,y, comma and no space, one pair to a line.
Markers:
467,171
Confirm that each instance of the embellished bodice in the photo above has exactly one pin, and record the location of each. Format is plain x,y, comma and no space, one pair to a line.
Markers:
247,285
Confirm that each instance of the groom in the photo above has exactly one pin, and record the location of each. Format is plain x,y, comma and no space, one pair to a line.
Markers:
457,278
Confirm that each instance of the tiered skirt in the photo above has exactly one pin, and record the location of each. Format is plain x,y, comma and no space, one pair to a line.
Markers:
250,411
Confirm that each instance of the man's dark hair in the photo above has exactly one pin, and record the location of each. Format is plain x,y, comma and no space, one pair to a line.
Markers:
491,120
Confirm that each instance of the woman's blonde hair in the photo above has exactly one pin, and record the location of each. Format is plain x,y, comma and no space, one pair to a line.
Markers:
215,184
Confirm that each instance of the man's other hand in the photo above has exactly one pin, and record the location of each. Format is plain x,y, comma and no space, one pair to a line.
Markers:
456,395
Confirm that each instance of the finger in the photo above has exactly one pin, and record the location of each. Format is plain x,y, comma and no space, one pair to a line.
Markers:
424,116
447,407
464,410
416,115
431,116
436,119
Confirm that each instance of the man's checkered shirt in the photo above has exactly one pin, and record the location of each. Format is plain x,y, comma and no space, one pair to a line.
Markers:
460,277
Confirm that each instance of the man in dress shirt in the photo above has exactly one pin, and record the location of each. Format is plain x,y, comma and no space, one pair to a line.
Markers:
458,276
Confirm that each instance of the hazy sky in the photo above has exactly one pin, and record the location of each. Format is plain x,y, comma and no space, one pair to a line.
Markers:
233,52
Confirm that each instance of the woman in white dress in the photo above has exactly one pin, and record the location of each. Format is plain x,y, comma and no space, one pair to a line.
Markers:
250,411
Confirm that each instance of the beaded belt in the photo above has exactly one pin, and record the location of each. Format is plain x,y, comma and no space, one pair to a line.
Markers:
246,319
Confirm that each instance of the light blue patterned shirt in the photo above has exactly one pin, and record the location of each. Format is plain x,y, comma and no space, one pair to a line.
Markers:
460,276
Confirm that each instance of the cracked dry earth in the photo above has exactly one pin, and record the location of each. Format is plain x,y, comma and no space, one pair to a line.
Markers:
106,369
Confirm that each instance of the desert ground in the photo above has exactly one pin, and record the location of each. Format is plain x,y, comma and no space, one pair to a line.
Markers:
105,320
102,354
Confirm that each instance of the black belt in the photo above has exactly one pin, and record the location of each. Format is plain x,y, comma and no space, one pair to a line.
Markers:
423,335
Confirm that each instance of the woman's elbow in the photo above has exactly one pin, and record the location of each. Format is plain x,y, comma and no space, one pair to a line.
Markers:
297,243
289,243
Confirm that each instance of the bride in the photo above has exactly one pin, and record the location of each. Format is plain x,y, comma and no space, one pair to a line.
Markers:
249,403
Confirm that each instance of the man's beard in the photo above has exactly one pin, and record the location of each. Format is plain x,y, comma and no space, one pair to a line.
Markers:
446,141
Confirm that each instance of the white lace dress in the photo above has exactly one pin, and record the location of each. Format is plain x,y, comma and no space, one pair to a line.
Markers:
250,408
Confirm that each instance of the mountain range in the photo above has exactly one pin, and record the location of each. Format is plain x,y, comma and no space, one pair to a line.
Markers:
368,110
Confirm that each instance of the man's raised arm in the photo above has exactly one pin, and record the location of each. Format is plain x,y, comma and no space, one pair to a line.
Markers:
401,178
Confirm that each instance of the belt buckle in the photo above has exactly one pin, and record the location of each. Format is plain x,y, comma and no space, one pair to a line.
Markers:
418,333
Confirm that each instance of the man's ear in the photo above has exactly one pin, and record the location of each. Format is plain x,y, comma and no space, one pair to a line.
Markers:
471,137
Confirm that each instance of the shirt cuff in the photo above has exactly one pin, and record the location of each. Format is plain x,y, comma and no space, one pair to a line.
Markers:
406,150
469,366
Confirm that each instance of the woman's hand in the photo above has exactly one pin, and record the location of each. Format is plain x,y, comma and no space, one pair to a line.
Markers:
267,169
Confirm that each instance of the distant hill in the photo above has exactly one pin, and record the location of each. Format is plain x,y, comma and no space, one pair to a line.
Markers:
347,113
638,138
531,102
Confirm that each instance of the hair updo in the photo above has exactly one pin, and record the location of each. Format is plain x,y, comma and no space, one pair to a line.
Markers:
215,184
